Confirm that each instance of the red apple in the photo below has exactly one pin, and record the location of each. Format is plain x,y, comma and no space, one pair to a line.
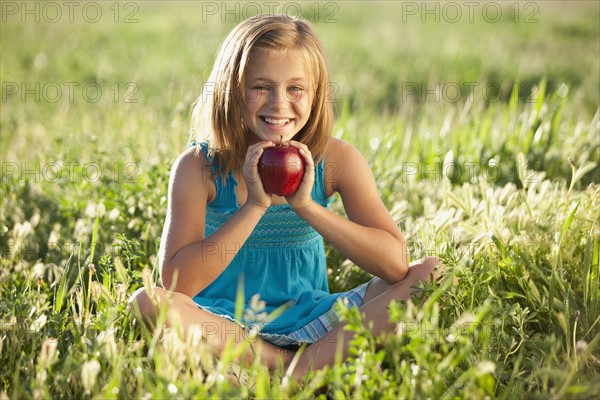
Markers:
281,170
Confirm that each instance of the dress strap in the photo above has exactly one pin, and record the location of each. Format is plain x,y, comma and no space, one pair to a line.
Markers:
318,191
204,148
225,195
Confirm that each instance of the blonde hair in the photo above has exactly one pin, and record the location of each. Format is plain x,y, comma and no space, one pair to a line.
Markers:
216,114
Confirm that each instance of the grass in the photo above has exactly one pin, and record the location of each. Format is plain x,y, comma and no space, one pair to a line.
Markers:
502,185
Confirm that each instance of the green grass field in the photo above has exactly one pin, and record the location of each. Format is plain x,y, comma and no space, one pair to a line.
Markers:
481,121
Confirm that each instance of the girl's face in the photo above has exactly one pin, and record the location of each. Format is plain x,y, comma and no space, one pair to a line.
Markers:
278,95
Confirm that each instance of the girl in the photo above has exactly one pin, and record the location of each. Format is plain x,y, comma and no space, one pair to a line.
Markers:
224,233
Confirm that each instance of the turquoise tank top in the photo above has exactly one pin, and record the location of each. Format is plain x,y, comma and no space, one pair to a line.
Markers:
283,261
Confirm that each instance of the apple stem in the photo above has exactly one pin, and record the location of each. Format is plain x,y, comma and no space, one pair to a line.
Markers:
280,140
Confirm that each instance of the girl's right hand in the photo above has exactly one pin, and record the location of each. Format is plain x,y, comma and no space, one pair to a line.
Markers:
256,192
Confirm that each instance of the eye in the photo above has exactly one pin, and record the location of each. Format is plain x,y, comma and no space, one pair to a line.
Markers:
295,88
260,87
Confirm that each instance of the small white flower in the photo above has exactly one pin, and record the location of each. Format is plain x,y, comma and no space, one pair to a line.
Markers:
255,311
195,337
90,210
253,333
257,304
581,346
80,229
39,323
48,353
101,209
41,60
172,388
108,345
399,330
89,374
450,338
54,238
114,214
38,269
414,369
21,231
464,322
35,219
486,367
374,143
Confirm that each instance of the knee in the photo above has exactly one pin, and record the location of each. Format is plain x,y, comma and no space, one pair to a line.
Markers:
434,266
141,303
147,303
425,268
430,263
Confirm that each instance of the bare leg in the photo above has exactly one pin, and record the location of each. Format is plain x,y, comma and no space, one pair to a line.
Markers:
374,310
419,271
184,312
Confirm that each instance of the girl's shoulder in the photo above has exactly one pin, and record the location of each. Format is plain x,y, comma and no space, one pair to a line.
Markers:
192,158
193,168
344,164
340,153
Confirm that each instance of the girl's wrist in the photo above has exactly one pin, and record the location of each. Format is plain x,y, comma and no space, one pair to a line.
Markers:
304,207
255,207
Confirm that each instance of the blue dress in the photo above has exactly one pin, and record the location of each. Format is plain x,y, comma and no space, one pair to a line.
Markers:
283,262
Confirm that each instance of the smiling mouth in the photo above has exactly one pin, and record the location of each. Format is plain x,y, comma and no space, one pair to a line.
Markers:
276,121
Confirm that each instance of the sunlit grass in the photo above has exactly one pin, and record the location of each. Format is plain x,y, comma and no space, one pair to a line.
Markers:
505,192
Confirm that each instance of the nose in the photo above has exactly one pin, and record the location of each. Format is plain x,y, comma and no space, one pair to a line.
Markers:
278,98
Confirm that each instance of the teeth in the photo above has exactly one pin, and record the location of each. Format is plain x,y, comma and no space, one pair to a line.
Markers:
273,121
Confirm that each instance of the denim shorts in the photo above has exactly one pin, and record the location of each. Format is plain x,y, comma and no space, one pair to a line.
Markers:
318,327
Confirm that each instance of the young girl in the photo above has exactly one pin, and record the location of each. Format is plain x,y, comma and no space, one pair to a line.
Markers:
223,233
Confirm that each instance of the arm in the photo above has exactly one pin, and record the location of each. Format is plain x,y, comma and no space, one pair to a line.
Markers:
185,250
369,237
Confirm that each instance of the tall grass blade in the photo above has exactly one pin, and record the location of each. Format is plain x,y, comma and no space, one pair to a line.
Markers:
239,299
61,292
539,98
95,236
591,273
121,272
566,225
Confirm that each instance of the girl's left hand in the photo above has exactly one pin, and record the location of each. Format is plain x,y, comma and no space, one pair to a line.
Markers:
303,197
